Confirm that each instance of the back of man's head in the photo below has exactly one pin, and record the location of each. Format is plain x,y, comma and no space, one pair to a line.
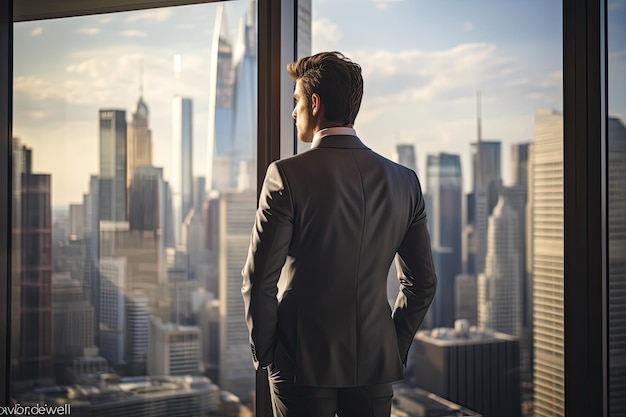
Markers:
336,79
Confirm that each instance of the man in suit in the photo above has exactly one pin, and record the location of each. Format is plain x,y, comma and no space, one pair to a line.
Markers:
332,219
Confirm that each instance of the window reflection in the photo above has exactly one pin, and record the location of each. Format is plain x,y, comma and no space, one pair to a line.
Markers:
133,198
470,97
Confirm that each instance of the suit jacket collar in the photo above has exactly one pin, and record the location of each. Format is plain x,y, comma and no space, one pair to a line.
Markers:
340,141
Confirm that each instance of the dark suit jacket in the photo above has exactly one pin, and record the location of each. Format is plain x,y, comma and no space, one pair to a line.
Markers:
335,217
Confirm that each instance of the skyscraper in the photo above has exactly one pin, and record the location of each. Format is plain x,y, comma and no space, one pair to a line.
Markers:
113,309
221,104
617,265
444,187
547,263
137,329
404,154
243,146
236,210
181,179
113,165
499,297
232,109
173,349
72,319
487,183
139,141
34,279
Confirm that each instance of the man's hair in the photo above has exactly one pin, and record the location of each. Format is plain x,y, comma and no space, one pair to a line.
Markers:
336,79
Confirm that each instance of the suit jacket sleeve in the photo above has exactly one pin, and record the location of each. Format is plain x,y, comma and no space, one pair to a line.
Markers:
269,245
418,281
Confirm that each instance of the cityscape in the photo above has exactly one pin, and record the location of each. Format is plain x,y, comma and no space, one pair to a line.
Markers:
128,302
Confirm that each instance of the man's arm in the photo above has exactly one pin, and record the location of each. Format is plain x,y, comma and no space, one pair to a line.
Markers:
269,245
416,273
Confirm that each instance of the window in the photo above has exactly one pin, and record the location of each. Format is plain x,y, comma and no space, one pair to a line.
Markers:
469,95
134,138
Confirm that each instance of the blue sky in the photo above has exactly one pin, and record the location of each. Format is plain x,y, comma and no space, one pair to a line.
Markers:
422,61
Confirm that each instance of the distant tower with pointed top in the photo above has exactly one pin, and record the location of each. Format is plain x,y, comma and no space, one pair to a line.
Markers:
139,137
221,103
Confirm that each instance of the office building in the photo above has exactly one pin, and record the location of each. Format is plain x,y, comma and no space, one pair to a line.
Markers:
106,395
466,298
487,184
546,194
475,368
137,329
113,287
237,209
72,319
112,199
181,178
243,142
499,296
147,200
617,265
404,154
144,255
221,105
173,349
444,187
32,272
74,227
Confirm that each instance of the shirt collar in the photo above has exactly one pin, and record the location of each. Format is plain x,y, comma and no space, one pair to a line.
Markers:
332,131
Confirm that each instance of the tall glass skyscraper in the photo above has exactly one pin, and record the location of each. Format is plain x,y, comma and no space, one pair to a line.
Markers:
222,79
617,265
444,187
113,165
232,110
181,179
487,184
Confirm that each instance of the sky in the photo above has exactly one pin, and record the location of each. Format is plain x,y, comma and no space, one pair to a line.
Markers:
423,63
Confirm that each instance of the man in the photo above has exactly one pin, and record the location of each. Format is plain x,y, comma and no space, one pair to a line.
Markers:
332,219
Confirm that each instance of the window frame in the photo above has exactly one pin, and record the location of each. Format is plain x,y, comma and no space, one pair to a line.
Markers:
584,142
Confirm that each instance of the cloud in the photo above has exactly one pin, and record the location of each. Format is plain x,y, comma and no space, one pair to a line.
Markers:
36,31
157,15
383,4
105,20
131,33
417,75
325,35
35,87
89,30
468,26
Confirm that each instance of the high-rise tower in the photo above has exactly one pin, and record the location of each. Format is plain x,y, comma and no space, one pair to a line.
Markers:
547,263
139,141
444,187
113,165
499,298
617,265
181,179
32,273
221,103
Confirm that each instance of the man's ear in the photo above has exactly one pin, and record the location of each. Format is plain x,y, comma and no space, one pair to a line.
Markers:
316,104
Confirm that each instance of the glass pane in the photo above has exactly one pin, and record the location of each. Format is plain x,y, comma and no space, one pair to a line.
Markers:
469,95
616,194
133,199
